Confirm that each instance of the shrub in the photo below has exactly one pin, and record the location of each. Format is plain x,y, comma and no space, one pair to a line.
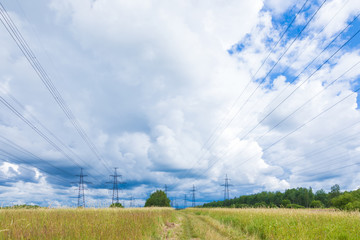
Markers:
116,205
260,205
285,202
352,206
293,205
342,200
316,204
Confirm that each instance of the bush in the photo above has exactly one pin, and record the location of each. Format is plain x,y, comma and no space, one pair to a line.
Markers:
285,202
352,206
116,205
242,205
260,205
271,205
293,205
342,200
158,199
316,204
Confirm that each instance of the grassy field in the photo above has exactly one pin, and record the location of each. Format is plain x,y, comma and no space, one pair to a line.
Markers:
156,223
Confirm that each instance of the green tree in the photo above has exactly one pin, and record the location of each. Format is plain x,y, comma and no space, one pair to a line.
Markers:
335,191
322,196
285,202
341,201
116,205
158,199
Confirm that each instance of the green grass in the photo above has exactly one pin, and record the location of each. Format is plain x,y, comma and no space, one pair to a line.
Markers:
288,223
165,223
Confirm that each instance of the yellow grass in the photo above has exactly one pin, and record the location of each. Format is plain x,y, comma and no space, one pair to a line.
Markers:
166,223
84,223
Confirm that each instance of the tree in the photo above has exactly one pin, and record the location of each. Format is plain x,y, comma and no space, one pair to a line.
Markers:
322,196
341,201
158,199
335,191
116,205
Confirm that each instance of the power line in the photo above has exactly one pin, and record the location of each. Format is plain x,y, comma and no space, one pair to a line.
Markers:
317,69
290,133
253,78
39,132
304,124
45,128
10,143
18,161
305,80
264,78
35,64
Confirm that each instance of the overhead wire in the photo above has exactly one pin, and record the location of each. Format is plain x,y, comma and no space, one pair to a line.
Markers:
253,78
15,159
49,131
316,70
306,79
35,64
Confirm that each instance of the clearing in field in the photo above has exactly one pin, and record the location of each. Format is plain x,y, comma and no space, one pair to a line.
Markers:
166,223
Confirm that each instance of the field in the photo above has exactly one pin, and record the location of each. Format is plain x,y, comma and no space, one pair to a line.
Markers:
166,223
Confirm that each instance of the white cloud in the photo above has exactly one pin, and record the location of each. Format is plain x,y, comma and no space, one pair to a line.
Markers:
150,81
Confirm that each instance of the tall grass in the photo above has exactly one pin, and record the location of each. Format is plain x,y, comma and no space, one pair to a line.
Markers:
84,223
288,223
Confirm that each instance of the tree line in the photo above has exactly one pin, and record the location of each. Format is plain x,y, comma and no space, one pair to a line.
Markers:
295,198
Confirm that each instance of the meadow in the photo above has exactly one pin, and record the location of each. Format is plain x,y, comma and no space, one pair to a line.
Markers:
166,223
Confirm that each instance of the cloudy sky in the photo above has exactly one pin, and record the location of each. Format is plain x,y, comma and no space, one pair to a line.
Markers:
178,93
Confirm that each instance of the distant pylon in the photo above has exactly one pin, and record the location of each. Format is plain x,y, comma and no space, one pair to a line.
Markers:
185,203
131,201
115,182
226,188
193,190
81,193
166,189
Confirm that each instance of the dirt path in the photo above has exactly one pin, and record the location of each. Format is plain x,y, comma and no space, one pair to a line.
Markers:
189,225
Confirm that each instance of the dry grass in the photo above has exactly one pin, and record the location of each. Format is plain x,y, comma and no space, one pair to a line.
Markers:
165,223
84,223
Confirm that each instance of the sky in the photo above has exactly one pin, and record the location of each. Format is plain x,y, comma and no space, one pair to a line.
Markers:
180,93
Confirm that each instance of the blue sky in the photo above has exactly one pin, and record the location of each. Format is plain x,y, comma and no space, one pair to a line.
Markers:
166,93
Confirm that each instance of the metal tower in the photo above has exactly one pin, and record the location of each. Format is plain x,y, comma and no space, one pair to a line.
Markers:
185,201
226,188
115,182
131,201
166,189
81,193
193,190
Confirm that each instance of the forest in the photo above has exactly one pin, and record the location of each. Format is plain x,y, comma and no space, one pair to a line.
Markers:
295,198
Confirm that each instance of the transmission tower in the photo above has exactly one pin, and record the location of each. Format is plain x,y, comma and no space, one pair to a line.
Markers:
131,201
115,183
81,193
193,190
166,189
185,203
226,188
